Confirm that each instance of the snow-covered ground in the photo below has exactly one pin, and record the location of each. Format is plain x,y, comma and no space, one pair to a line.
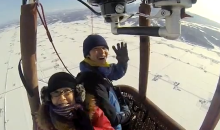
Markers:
182,78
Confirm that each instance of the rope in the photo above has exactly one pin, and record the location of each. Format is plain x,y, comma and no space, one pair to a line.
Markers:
92,21
44,23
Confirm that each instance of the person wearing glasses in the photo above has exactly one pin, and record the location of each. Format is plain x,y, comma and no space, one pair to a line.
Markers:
66,106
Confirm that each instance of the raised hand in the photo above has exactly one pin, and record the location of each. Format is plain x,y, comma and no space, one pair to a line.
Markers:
121,52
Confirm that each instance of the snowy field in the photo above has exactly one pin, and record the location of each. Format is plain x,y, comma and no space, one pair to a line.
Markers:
182,78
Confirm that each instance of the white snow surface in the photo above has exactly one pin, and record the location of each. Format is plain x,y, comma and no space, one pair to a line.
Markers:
196,69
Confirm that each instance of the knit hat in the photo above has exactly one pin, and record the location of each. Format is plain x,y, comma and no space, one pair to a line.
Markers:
93,41
60,80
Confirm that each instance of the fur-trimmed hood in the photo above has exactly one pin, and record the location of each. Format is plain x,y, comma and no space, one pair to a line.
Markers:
44,122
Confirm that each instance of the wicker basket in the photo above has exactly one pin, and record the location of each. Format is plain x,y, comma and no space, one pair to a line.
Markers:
145,114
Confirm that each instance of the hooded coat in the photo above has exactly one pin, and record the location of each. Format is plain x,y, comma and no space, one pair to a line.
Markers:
96,115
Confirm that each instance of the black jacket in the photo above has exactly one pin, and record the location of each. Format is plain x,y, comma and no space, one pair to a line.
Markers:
96,85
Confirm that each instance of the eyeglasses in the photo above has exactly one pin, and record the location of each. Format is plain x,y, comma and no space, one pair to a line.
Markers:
65,92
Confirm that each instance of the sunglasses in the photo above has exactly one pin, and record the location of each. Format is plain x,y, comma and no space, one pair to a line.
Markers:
65,92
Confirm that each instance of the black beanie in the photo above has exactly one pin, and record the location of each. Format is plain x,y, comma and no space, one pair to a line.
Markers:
60,80
93,41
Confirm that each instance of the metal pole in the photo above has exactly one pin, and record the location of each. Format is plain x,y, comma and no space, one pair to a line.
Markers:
28,32
141,31
144,51
213,114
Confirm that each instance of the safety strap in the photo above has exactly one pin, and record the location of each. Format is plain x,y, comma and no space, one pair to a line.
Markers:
26,86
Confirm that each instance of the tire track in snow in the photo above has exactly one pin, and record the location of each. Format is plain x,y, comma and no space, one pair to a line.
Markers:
6,79
3,109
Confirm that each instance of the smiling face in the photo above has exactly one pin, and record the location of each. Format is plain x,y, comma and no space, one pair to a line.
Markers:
62,97
99,54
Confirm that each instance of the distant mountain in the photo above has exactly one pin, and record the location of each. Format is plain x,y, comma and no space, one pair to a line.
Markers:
66,16
197,30
202,20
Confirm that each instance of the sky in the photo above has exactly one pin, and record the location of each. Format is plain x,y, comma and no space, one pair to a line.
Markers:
10,9
206,9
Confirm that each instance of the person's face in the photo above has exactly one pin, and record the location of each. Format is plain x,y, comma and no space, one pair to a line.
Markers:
62,97
99,54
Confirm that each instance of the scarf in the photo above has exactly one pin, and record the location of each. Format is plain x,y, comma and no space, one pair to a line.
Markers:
92,63
67,112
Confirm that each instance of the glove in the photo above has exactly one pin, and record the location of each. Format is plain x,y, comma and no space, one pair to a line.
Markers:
126,109
120,97
121,52
124,114
83,119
